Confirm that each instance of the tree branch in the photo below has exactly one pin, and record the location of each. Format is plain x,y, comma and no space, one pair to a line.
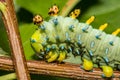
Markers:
10,21
53,69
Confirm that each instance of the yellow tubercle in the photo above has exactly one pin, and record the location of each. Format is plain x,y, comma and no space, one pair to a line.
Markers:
54,10
62,56
116,32
49,54
75,13
53,57
37,36
107,70
87,64
90,20
102,27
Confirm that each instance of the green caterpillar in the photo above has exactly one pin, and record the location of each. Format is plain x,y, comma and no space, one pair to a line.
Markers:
56,38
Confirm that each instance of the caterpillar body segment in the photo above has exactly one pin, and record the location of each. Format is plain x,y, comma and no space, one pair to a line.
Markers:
55,39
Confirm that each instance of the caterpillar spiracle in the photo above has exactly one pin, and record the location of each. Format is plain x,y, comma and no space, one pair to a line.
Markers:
56,38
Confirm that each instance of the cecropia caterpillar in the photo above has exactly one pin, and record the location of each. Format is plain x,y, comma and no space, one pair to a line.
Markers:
56,38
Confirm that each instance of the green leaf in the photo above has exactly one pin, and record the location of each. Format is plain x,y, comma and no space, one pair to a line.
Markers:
40,6
104,11
26,31
10,76
3,53
3,37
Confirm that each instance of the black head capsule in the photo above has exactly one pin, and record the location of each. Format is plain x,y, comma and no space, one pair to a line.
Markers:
37,19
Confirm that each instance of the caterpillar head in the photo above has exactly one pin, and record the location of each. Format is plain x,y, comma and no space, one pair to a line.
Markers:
37,19
53,10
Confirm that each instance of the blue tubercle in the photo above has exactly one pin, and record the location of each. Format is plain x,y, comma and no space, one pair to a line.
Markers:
70,49
98,36
71,27
77,51
106,59
84,29
91,53
92,44
62,47
67,37
111,42
32,40
106,50
55,21
42,27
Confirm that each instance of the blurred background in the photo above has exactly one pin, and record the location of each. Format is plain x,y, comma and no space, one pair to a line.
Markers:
104,11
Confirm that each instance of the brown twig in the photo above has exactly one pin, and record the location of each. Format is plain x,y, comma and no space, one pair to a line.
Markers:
61,70
10,21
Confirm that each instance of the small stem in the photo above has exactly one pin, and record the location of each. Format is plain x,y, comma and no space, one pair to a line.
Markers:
10,21
69,6
60,70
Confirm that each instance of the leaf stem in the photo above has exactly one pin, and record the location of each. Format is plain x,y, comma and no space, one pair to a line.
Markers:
10,21
68,7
